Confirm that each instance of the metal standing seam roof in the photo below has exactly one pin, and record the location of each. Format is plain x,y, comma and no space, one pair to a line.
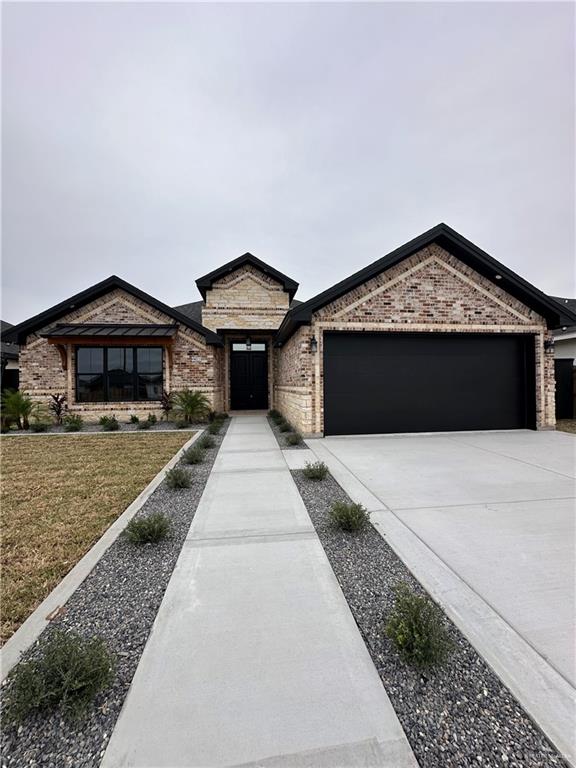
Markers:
91,330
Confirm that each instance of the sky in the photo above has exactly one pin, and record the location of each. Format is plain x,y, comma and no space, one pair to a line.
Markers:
159,141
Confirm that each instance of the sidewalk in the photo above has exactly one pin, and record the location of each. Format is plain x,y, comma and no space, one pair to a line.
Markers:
254,658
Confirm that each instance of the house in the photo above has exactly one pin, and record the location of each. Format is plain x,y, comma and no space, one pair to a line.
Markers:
565,365
437,335
8,359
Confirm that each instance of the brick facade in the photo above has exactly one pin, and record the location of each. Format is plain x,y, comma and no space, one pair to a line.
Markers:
246,298
430,291
188,362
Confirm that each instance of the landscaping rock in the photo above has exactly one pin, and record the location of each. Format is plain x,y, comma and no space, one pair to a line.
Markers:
456,715
118,602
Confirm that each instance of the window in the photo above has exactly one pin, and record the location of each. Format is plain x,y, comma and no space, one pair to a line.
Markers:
112,374
255,346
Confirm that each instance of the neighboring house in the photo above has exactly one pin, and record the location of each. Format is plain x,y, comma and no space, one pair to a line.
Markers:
565,364
437,335
8,359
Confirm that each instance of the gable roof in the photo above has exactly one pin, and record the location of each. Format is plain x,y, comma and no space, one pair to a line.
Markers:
571,305
205,283
8,350
19,332
555,314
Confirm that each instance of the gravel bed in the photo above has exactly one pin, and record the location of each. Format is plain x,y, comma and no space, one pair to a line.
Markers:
118,601
281,437
456,715
160,426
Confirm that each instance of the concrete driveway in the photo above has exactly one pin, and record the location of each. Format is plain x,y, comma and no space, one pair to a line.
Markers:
497,508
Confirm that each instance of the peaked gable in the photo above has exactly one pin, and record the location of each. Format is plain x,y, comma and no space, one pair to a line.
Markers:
458,246
247,259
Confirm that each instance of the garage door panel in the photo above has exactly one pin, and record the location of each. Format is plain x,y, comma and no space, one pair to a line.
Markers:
382,382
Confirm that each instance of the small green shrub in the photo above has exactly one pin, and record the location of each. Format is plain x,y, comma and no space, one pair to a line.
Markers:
181,424
284,426
39,426
68,675
193,455
148,529
416,628
152,419
73,423
143,425
215,427
274,414
206,441
349,517
191,405
109,423
178,478
222,416
316,470
134,419
294,438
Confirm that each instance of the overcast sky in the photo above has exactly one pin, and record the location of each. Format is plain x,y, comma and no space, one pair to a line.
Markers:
157,142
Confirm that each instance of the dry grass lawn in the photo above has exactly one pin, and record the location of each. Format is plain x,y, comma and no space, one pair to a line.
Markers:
566,425
59,493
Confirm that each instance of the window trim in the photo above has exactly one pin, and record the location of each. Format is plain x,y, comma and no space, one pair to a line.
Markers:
105,372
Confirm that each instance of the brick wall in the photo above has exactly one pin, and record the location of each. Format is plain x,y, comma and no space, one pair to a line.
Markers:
246,298
189,363
430,291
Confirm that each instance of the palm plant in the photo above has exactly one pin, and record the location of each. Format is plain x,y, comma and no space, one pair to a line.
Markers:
18,407
191,405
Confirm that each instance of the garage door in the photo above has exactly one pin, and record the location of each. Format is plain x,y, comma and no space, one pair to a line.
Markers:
427,382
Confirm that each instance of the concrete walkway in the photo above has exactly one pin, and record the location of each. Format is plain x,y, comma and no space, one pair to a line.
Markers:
255,658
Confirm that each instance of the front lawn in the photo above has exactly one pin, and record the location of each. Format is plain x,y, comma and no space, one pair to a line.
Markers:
58,496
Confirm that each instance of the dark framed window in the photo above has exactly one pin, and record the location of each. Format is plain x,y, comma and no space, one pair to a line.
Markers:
112,374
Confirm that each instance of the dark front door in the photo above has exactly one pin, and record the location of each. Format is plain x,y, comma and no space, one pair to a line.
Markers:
248,380
427,382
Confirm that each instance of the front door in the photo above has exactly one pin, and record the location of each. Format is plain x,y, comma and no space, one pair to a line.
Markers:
248,379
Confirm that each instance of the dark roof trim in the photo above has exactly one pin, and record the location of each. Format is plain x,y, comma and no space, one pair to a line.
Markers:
19,332
556,314
102,330
205,283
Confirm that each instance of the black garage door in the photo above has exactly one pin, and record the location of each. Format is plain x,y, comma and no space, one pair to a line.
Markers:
427,382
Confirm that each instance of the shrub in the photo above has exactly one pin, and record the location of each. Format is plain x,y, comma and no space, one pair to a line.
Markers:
57,407
178,478
274,414
18,408
73,423
181,424
206,441
316,470
166,403
349,517
294,438
193,455
109,423
39,426
215,427
134,419
147,530
416,628
68,675
191,405
222,416
284,426
152,419
144,424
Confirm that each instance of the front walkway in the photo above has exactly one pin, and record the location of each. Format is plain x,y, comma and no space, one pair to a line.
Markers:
254,657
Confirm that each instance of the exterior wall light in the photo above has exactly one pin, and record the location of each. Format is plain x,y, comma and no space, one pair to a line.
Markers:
549,345
313,344
248,344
